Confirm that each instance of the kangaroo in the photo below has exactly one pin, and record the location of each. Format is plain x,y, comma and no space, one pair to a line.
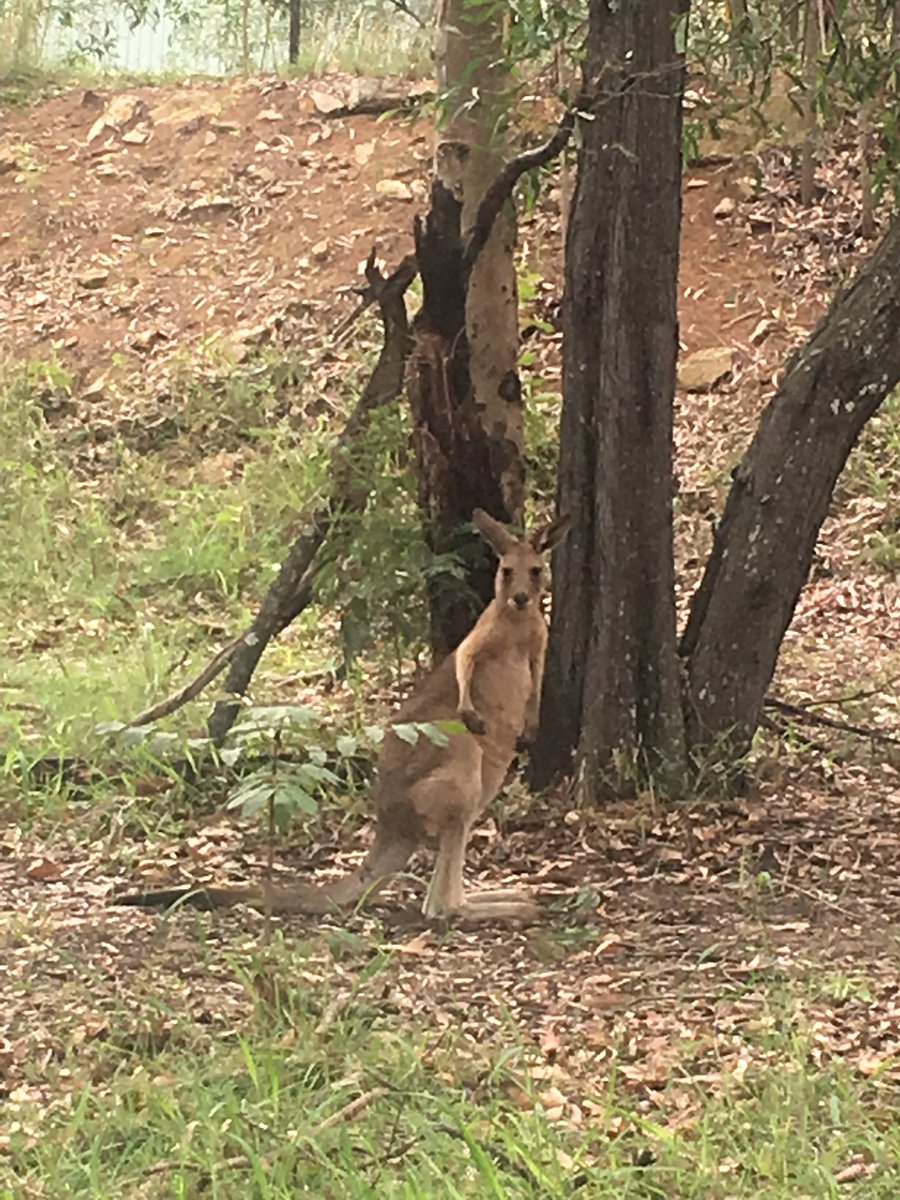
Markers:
426,794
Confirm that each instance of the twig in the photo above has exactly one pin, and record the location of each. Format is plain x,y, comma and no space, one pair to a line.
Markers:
803,714
169,1164
194,688
348,1112
859,694
781,729
817,898
403,7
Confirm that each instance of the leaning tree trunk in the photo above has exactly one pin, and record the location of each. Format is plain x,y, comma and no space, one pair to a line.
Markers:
613,692
464,386
780,496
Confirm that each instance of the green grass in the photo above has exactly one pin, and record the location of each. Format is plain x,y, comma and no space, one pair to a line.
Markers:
154,1103
125,563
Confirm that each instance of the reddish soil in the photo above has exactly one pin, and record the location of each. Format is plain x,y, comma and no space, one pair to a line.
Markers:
208,209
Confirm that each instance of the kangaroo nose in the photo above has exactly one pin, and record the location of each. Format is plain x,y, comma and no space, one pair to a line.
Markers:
520,599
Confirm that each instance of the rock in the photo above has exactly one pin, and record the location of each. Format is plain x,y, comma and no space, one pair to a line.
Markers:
124,110
362,152
95,279
181,109
8,161
100,128
210,207
393,189
325,102
269,114
136,137
320,249
725,207
702,370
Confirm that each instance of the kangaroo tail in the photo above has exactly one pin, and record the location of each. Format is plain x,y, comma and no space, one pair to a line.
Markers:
387,856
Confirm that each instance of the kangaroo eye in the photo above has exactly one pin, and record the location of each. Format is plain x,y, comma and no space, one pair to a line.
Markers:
507,572
535,572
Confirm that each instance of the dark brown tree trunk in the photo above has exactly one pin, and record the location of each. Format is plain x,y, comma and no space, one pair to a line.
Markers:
780,497
294,12
613,686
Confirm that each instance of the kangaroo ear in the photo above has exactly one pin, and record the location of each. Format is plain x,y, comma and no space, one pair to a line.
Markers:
496,535
546,537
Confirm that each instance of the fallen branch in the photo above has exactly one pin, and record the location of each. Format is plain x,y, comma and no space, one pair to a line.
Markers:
804,714
348,1112
194,688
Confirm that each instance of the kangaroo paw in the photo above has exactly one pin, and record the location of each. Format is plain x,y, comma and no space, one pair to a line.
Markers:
472,721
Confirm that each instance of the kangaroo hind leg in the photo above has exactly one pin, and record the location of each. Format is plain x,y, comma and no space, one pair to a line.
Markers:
446,892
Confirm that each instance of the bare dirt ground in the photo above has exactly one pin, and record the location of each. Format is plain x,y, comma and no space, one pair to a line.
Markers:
221,211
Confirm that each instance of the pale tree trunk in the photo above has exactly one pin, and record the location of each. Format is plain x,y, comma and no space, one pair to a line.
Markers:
740,27
867,215
566,84
812,41
612,696
469,156
464,385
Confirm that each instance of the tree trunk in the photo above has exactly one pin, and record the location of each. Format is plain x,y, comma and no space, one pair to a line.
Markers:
780,497
464,382
294,13
741,26
811,46
613,686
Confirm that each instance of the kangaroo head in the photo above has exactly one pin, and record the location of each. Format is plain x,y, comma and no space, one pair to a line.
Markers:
521,574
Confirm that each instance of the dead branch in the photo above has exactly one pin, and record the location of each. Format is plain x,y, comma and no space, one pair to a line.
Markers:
194,688
348,1112
402,6
501,189
291,591
804,714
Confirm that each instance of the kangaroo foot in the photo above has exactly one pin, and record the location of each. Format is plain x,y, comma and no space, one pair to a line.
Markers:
505,904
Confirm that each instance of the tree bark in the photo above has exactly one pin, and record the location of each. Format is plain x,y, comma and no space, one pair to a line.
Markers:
811,46
613,686
780,496
294,14
464,383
